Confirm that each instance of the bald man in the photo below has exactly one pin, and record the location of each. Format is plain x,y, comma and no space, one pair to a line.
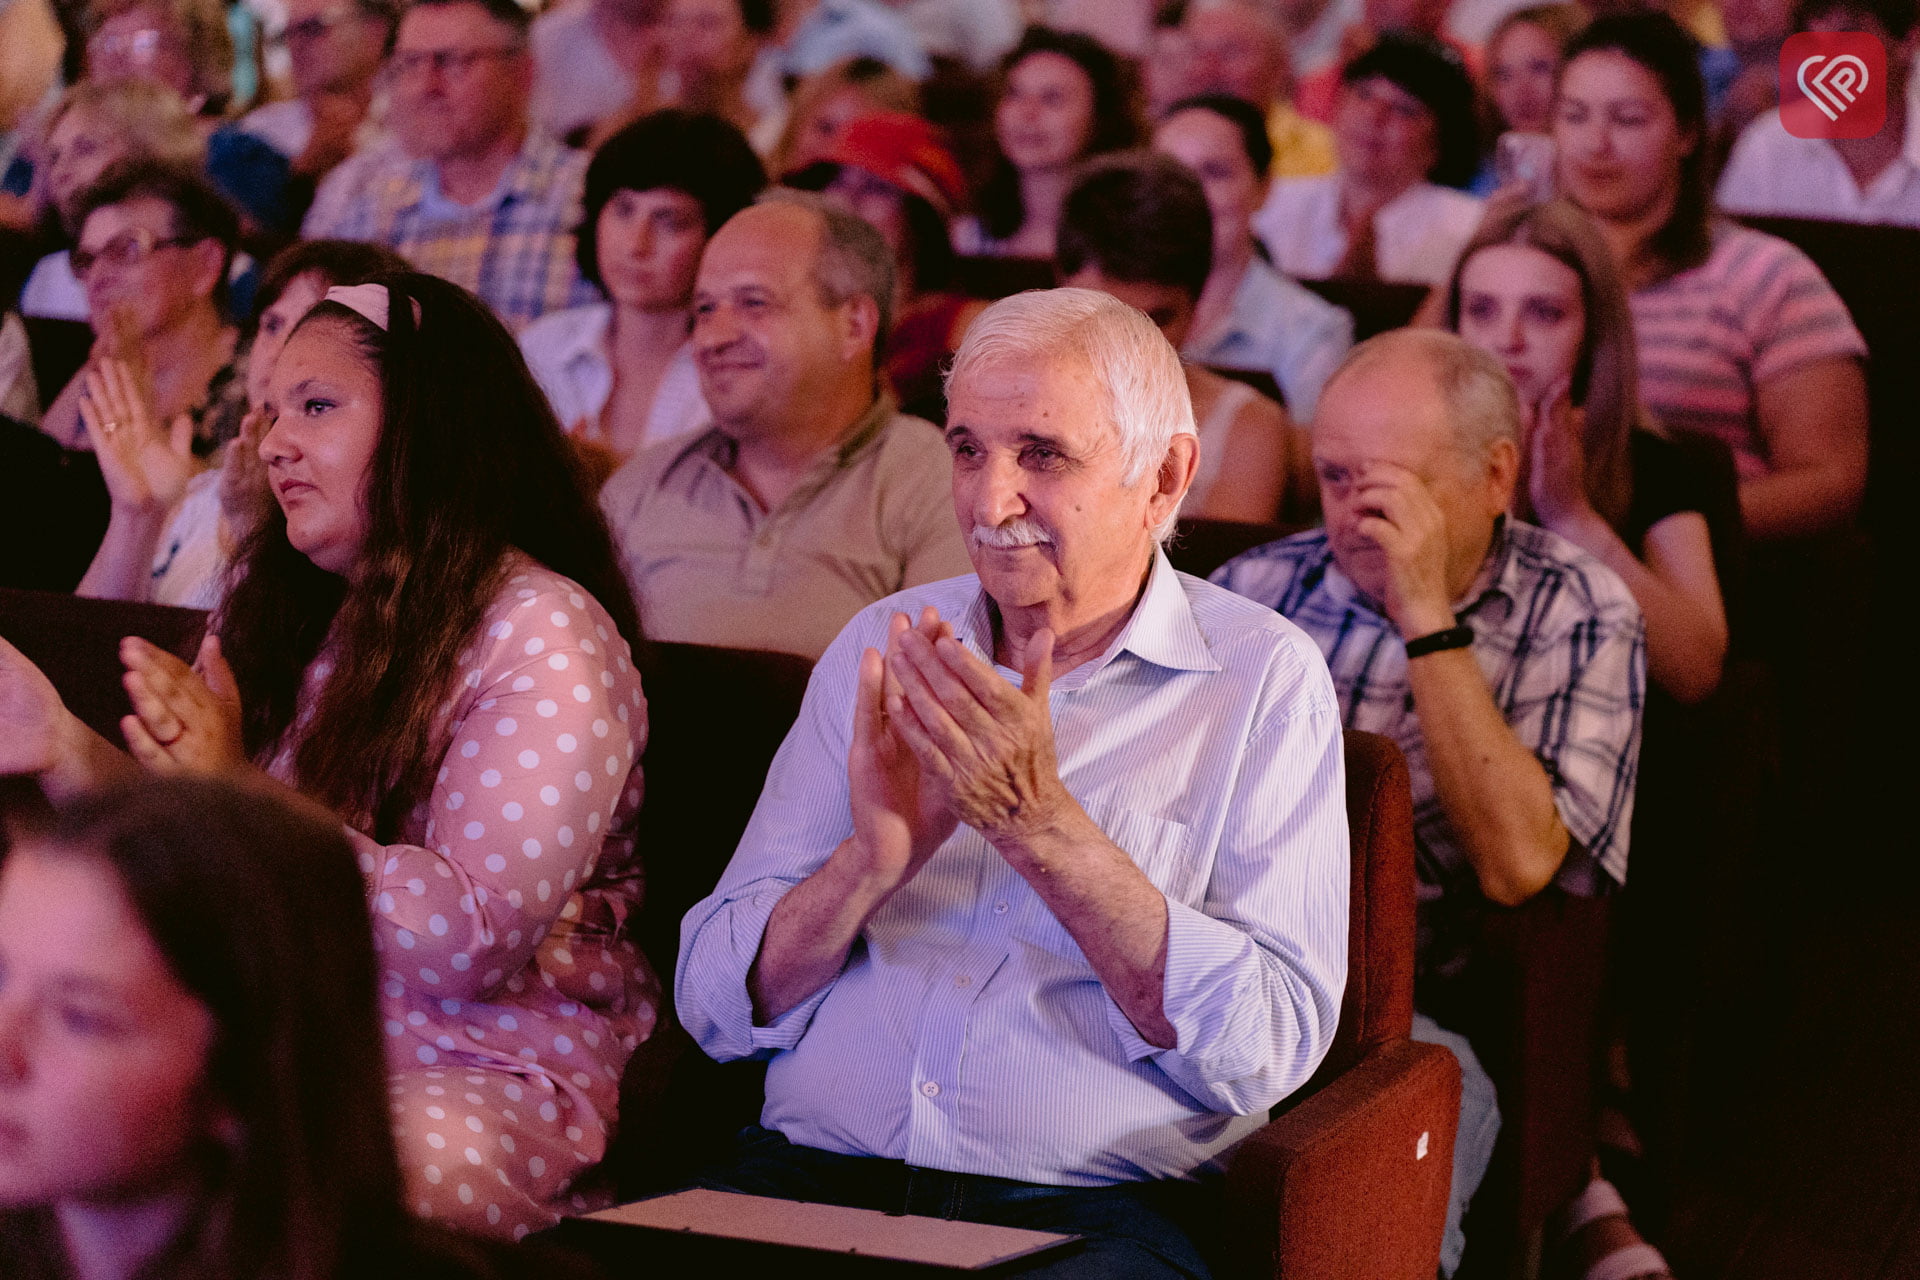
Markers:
811,496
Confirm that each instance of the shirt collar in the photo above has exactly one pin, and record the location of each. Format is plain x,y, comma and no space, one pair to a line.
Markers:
422,176
1161,630
719,448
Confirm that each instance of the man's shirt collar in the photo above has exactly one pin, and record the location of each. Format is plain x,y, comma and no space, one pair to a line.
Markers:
1161,630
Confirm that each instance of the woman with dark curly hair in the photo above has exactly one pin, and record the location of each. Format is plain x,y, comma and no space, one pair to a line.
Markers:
1405,133
1063,97
429,635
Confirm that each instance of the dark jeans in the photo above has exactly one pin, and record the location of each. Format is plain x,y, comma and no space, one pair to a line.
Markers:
1138,1229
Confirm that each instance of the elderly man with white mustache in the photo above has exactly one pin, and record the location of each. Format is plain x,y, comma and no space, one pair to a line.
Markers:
1045,902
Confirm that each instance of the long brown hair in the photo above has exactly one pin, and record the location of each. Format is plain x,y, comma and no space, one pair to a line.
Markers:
259,911
1606,374
470,466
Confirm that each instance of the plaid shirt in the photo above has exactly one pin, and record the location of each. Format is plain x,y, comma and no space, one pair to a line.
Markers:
1563,649
514,249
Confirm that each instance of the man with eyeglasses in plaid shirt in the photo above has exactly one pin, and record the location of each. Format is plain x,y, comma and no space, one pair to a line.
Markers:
1508,664
471,192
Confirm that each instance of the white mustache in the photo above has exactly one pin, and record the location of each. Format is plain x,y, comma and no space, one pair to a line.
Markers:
1014,533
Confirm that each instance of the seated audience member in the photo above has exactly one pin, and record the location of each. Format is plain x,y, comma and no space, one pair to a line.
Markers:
811,496
483,755
1063,97
1136,226
620,373
896,173
1740,335
708,48
1537,288
590,61
1871,179
335,49
155,248
473,194
1404,129
94,127
1250,316
1507,663
194,1081
1080,814
1740,63
185,46
736,57
1318,94
171,542
1523,62
1238,49
827,102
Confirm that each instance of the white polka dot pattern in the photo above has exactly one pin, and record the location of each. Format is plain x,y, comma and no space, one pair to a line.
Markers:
491,959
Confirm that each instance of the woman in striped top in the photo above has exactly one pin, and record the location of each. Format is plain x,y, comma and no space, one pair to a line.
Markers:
1740,336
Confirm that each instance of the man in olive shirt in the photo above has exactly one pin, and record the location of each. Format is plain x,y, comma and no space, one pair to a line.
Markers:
811,496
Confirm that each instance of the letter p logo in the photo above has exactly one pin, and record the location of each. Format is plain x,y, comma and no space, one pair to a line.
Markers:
1833,84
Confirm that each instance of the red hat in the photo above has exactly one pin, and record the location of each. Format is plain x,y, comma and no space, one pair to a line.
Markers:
906,151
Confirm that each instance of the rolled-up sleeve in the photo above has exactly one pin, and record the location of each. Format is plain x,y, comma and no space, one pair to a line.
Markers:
1256,967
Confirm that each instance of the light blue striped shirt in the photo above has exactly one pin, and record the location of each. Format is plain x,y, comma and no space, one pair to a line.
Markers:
967,1031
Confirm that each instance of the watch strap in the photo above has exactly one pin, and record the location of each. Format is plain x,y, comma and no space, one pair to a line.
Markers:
1458,636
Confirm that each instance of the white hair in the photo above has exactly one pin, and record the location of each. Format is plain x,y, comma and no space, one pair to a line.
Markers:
1147,402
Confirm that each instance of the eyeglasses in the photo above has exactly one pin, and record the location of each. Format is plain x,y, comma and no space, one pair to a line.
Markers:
448,62
317,26
128,249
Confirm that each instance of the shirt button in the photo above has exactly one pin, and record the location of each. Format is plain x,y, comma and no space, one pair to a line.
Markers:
963,981
931,1089
999,908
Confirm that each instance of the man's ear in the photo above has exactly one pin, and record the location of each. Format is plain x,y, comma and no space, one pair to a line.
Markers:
1503,473
1174,477
859,326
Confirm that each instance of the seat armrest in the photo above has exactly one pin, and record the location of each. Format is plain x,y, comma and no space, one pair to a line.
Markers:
1352,1180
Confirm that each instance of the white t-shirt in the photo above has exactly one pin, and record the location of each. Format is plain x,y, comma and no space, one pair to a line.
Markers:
53,292
1773,173
567,351
188,562
1418,233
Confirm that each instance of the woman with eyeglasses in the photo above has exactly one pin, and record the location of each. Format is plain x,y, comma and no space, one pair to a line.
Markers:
156,243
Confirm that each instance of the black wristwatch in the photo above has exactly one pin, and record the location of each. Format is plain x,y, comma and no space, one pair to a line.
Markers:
1458,636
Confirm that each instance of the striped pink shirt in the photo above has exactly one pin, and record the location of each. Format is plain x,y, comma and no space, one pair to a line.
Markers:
1709,337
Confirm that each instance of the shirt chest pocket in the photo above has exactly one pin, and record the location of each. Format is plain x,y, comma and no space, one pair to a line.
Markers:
1162,848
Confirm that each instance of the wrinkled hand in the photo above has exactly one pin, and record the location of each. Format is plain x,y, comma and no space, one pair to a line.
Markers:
1404,521
185,719
988,744
245,495
32,717
1557,461
146,468
900,814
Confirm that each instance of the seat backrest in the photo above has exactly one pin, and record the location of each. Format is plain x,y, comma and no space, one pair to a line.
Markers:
1378,1005
1199,546
714,719
990,277
76,642
1259,379
1376,305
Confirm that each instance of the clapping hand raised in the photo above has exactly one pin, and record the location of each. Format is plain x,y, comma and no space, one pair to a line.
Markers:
900,813
146,468
185,719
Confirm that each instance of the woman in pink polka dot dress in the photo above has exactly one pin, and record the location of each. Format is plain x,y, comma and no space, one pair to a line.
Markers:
433,640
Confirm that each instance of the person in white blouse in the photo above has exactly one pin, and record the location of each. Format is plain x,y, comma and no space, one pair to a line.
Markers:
620,373
1405,135
1871,179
